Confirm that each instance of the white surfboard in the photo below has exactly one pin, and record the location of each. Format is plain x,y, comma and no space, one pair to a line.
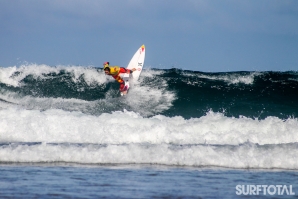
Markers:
137,62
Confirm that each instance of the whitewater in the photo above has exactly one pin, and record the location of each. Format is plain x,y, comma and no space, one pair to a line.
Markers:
173,117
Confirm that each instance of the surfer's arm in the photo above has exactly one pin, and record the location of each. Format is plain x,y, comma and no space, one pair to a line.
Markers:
128,71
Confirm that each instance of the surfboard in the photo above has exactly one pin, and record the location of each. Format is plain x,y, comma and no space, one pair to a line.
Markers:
137,62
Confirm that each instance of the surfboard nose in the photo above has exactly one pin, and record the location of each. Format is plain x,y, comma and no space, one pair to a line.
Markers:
143,47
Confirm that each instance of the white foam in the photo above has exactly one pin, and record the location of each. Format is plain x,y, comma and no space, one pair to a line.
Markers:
19,125
230,78
14,75
6,76
151,97
238,78
243,156
127,137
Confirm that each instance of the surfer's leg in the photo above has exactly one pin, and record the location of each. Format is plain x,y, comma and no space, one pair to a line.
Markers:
121,82
122,86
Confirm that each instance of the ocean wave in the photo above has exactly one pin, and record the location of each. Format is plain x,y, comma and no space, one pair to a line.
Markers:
19,125
171,92
245,156
74,114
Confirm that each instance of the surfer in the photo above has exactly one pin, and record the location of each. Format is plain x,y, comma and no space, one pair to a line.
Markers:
115,71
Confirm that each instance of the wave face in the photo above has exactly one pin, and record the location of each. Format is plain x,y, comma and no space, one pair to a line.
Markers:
170,117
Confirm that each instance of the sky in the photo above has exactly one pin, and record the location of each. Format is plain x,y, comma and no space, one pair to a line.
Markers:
199,35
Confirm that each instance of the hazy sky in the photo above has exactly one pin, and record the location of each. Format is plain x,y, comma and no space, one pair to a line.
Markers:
200,35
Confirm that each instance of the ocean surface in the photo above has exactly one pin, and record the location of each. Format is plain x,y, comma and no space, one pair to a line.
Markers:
65,132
